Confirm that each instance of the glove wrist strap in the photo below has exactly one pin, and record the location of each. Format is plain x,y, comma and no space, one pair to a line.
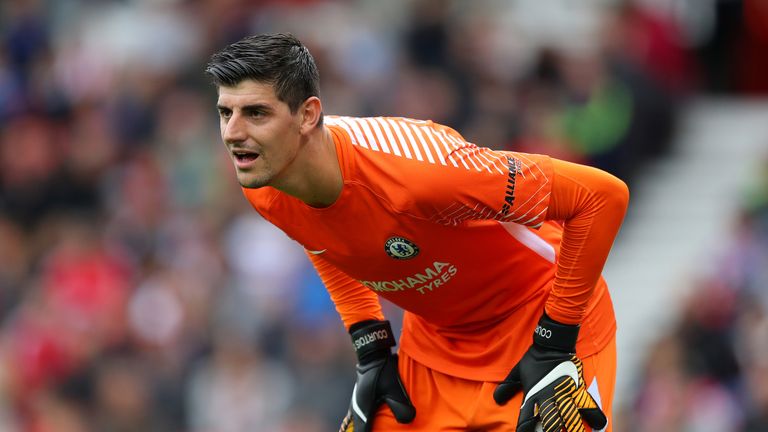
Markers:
371,338
554,335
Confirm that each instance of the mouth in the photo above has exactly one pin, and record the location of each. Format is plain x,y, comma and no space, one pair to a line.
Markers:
244,158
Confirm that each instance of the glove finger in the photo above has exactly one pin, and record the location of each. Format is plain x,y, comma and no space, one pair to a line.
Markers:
569,414
404,411
346,424
528,418
590,412
550,417
565,390
394,394
509,387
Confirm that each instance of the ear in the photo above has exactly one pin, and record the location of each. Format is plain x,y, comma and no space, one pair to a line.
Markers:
310,111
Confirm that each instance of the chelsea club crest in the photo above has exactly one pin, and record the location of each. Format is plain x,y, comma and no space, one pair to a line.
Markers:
401,248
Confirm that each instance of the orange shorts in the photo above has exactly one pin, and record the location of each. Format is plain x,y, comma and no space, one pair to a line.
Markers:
447,403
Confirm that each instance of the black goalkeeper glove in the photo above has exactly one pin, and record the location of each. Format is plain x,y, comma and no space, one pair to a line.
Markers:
378,380
552,381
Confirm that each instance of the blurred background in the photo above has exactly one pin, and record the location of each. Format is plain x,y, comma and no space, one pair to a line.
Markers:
139,292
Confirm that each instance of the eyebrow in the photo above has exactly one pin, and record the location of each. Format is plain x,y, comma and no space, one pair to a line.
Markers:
250,107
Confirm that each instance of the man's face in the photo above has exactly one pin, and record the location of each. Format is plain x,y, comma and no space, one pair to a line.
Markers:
260,132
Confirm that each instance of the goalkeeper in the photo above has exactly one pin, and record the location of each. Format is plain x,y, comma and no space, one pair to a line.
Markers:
494,256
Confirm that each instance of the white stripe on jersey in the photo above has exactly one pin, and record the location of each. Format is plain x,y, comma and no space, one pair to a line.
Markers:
392,126
423,143
342,124
377,124
530,240
430,133
413,142
416,140
369,134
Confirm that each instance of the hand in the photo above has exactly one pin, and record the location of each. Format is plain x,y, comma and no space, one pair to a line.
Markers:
378,380
551,378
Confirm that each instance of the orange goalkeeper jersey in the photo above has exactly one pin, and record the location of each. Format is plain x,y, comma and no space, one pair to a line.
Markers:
465,239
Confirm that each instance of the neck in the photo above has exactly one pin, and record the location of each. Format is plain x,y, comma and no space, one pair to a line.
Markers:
317,178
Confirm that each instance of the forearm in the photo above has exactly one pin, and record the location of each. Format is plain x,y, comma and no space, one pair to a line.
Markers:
591,203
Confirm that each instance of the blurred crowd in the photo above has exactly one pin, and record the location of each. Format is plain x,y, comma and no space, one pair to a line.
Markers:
709,371
138,292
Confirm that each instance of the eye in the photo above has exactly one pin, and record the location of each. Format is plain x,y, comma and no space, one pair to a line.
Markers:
254,113
225,113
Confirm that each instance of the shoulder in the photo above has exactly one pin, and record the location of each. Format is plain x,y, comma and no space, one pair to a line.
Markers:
417,144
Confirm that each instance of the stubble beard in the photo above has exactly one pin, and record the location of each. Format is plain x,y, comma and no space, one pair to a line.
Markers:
254,180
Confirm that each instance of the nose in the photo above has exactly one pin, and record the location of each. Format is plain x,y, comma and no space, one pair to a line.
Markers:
233,130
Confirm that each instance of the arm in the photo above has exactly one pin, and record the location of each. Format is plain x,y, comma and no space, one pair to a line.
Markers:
378,380
591,204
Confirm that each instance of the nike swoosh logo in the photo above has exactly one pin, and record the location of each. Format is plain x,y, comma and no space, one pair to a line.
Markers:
566,368
356,407
317,252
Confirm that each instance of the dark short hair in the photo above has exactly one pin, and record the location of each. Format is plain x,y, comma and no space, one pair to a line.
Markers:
277,58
